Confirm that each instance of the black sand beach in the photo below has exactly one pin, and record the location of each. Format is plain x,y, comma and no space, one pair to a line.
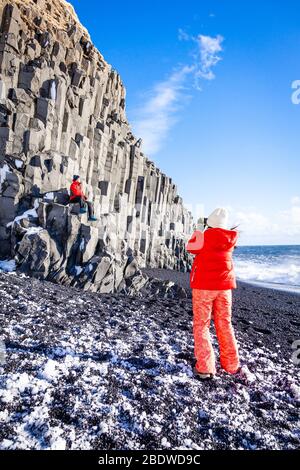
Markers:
89,371
270,317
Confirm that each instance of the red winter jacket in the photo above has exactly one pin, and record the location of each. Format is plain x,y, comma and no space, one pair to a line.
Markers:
213,267
76,190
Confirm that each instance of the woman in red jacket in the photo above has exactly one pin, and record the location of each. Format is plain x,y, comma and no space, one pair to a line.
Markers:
212,280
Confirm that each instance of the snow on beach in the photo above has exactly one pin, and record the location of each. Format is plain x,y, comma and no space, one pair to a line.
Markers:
85,371
8,266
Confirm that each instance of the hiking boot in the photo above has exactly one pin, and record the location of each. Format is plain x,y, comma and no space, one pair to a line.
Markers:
203,375
92,219
83,210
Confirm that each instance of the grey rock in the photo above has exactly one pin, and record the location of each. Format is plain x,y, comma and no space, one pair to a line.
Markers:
10,19
26,75
131,269
62,112
33,254
76,77
41,111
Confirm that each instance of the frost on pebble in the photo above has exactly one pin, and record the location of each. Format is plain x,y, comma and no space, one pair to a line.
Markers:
250,377
104,428
51,370
295,389
8,266
165,443
57,442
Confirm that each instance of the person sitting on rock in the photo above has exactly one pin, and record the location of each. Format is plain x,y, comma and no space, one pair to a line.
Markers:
78,197
212,280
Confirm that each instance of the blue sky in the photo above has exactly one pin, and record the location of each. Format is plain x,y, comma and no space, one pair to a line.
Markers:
209,86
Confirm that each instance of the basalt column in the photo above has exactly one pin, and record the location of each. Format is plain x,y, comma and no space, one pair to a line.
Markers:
62,112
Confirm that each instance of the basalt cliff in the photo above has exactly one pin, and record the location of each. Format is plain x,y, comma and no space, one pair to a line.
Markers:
62,112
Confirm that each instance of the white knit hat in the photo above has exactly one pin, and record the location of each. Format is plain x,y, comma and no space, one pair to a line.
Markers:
218,218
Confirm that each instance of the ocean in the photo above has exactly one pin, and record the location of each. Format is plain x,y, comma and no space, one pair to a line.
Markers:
270,266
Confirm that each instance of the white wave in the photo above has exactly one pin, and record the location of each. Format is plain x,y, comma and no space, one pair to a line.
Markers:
281,272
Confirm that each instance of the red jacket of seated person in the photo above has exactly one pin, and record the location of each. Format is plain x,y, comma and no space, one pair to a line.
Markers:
76,190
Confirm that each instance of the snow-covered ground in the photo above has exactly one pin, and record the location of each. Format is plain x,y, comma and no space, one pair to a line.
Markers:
7,266
85,371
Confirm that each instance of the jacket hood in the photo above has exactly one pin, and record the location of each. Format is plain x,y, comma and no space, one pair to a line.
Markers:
220,239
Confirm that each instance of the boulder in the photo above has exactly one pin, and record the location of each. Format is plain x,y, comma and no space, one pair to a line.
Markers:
33,254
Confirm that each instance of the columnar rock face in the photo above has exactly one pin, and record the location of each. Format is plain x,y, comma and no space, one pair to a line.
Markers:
62,112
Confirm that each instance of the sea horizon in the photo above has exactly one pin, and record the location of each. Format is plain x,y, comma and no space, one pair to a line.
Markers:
269,244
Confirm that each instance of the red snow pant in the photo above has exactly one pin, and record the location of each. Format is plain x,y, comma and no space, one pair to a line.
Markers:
218,302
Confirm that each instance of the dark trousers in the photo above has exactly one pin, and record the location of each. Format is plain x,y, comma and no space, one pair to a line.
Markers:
82,202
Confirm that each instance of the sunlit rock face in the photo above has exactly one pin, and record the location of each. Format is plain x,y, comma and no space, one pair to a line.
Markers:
62,112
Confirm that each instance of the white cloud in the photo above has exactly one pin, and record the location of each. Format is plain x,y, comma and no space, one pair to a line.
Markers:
207,54
295,215
282,227
253,221
291,217
161,105
209,49
295,201
159,113
183,35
